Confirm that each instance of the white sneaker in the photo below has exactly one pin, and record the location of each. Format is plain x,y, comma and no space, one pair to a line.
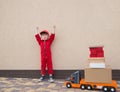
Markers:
51,80
41,78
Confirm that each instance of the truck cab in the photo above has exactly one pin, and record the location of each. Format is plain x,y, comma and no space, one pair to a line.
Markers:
73,79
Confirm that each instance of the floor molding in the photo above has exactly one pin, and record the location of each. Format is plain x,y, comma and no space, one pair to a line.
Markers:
58,74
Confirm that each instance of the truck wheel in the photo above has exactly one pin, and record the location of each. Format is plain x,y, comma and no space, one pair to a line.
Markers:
68,85
105,89
89,87
82,87
112,89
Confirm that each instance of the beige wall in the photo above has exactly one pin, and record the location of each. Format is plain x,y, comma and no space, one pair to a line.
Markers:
80,23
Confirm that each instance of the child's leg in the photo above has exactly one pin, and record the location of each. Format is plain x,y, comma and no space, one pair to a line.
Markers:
50,66
43,66
50,70
43,69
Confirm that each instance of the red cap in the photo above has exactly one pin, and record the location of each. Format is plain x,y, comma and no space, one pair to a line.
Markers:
44,31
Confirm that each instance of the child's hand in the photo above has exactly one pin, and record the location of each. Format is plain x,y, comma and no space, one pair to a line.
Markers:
54,27
37,29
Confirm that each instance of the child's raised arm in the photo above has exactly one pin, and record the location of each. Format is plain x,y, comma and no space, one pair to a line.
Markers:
37,36
54,29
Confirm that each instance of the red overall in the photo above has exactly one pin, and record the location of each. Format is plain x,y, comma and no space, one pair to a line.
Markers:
46,56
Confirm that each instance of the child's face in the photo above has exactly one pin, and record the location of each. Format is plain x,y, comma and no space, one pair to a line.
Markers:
44,36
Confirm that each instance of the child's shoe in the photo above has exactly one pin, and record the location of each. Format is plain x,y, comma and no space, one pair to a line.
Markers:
51,80
41,78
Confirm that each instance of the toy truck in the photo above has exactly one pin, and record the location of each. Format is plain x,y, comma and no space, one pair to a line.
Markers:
75,81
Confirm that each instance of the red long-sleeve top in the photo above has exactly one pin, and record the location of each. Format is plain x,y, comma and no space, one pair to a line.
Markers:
45,45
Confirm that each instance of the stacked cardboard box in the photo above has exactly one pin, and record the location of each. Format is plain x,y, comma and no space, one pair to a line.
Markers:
99,75
96,59
97,71
96,51
96,62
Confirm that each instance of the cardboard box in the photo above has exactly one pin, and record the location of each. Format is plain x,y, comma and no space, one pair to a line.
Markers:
97,65
96,51
101,75
96,60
